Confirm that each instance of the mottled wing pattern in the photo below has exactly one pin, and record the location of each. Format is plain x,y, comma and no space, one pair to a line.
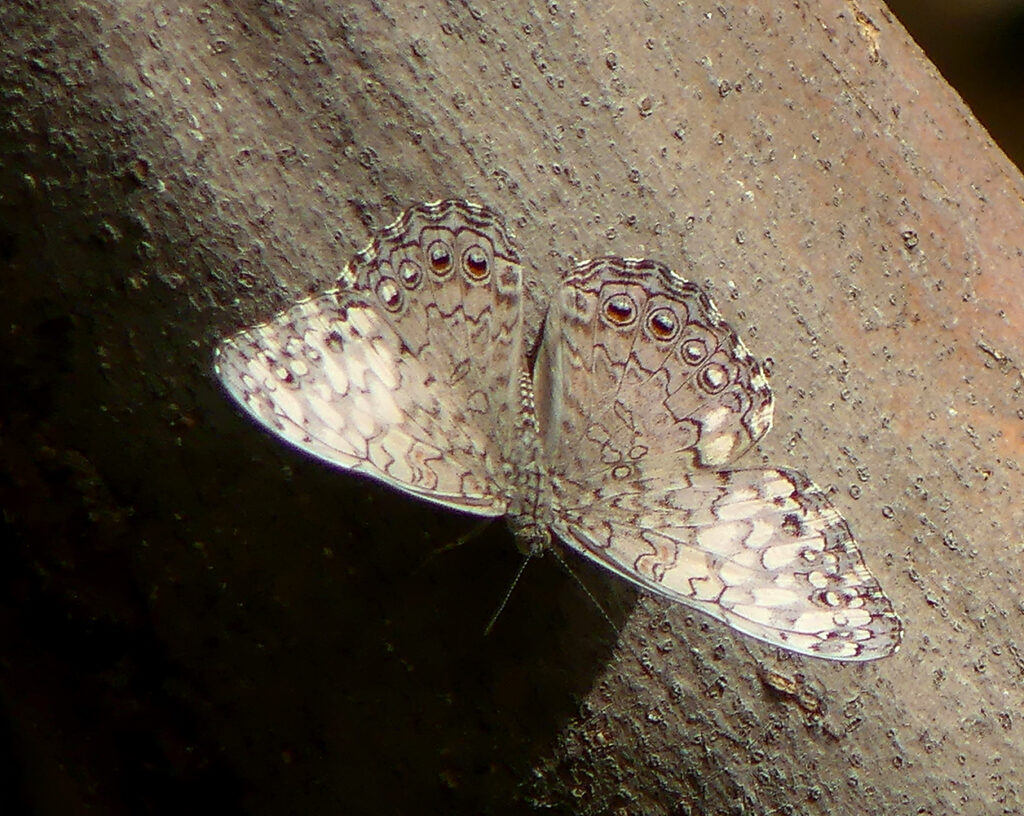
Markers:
762,550
638,372
644,394
404,372
448,280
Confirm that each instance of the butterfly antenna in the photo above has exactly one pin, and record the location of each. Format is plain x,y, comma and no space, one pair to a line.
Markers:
508,594
644,664
586,590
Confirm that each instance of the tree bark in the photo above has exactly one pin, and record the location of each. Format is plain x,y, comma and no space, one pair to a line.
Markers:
193,611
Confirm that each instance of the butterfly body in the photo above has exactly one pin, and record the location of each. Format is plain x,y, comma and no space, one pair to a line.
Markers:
529,494
619,440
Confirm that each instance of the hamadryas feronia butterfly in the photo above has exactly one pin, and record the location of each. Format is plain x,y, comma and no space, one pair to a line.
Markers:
619,440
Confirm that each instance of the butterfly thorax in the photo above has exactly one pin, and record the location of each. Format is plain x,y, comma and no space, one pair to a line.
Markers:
528,485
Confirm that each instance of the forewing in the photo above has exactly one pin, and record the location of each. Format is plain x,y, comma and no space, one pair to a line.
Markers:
762,550
447,279
408,370
638,370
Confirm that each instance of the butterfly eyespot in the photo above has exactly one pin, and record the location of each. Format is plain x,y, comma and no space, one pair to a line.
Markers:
714,378
619,310
663,324
694,351
410,273
440,256
389,294
638,452
475,262
620,472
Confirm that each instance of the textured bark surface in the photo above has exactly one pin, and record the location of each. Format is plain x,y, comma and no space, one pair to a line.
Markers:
192,612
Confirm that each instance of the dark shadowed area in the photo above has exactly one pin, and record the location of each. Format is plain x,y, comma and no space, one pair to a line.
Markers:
977,47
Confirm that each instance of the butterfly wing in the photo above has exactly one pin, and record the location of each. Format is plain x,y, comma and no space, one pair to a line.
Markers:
644,394
638,369
762,550
406,371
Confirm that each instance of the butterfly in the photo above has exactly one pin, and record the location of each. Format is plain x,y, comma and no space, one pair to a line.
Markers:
619,439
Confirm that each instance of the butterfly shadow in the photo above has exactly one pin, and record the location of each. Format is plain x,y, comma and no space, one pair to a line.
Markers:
381,670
